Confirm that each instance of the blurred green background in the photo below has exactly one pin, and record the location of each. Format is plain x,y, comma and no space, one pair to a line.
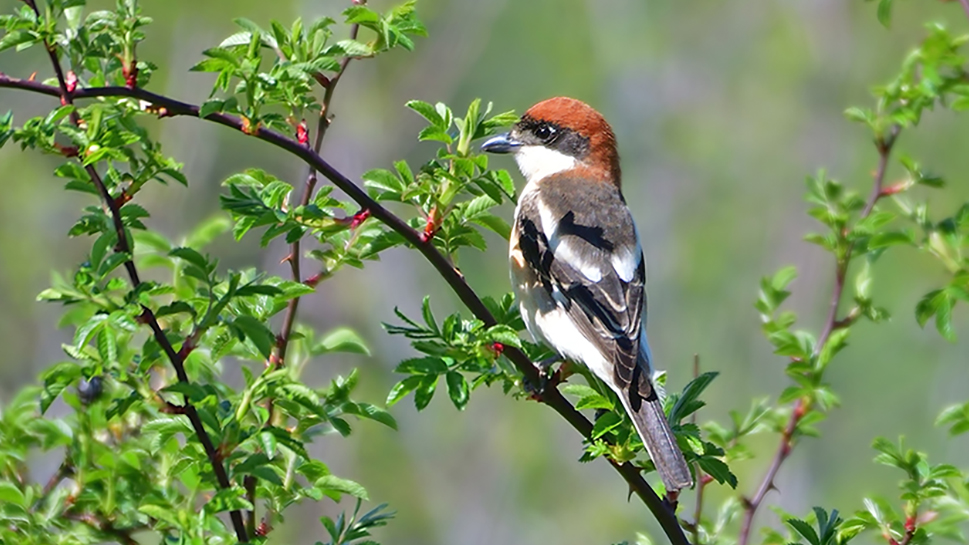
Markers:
721,109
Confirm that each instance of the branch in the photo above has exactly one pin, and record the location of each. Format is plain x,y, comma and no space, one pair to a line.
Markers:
147,316
285,334
168,107
884,145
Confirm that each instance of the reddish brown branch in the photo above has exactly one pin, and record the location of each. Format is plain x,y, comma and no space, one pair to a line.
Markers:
909,532
278,359
551,397
884,146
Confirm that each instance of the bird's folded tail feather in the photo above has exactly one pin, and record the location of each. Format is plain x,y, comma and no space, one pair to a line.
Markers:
650,421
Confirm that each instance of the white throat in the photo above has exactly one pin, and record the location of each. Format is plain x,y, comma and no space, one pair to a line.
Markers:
539,162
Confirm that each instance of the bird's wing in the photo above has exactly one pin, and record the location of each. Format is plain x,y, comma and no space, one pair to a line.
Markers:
584,249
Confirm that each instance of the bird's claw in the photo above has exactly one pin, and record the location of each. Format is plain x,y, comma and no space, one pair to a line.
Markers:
545,379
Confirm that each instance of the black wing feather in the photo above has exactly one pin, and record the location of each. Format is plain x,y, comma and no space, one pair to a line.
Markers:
608,311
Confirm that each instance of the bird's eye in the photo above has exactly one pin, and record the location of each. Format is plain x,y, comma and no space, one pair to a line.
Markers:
545,132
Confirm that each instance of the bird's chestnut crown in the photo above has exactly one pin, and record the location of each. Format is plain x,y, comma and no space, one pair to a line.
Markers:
569,127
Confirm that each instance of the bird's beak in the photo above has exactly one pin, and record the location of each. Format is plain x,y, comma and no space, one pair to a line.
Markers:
503,143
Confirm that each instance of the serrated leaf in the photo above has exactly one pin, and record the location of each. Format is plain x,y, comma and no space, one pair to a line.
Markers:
458,389
257,332
345,486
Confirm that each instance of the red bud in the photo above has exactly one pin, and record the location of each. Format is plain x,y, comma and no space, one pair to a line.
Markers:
359,218
302,135
70,81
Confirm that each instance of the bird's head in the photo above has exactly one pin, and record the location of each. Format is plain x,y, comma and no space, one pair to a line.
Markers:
557,135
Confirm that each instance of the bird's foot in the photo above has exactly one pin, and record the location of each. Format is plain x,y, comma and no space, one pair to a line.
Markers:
545,378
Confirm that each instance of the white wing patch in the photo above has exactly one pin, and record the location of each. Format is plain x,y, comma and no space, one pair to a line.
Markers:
625,261
539,162
563,249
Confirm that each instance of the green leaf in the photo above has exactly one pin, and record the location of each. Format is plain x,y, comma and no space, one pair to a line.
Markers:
228,499
805,530
956,417
191,256
429,113
345,486
885,12
342,339
372,412
689,401
494,223
422,366
717,469
9,493
257,332
425,391
458,389
604,424
402,388
18,38
56,379
891,238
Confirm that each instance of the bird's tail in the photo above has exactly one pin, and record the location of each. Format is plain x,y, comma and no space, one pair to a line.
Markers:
650,421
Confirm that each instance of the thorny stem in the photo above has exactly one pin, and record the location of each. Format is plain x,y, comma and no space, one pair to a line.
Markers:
884,146
147,316
552,397
910,528
289,319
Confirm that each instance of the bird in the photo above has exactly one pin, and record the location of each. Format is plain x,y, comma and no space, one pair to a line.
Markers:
577,265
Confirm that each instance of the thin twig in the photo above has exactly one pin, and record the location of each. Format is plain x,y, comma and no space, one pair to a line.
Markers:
701,479
65,470
147,316
884,146
292,307
168,107
965,6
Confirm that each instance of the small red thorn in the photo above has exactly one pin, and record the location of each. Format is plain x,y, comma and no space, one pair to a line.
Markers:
893,189
706,479
799,410
302,135
286,259
32,77
430,228
314,280
359,218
